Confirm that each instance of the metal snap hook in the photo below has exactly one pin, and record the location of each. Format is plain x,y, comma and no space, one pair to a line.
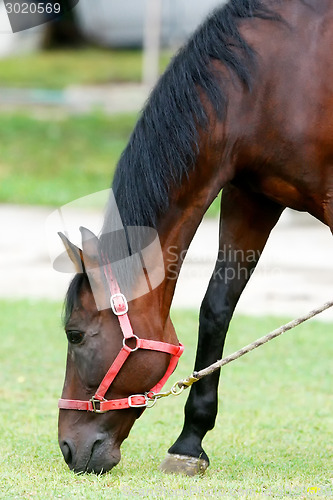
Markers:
176,390
151,399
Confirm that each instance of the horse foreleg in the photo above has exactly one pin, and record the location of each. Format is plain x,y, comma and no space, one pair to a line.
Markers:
245,224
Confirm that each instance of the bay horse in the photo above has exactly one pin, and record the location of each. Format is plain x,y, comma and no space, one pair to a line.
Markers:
247,106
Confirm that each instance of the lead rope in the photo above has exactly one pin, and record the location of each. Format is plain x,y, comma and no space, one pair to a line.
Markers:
182,384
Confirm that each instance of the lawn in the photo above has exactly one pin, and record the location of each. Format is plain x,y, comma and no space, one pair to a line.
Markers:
273,435
52,162
56,69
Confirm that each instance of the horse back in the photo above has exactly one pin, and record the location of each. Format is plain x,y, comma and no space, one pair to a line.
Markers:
282,128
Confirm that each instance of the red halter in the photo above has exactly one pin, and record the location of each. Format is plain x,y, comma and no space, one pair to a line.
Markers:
98,404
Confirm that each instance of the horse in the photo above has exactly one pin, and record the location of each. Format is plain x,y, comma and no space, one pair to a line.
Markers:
246,108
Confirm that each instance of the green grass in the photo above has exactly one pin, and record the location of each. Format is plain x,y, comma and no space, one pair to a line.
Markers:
59,68
273,433
53,162
48,162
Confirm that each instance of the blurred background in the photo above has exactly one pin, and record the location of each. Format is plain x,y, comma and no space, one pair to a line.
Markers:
70,92
71,88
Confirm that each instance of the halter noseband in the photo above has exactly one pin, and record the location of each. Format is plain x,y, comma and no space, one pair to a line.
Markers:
98,403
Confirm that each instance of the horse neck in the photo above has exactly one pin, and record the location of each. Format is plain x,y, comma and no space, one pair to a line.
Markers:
177,227
177,224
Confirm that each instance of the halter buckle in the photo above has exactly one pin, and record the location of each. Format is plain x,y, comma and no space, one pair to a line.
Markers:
115,307
96,405
142,405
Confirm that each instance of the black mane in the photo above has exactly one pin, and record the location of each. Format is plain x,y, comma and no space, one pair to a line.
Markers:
164,144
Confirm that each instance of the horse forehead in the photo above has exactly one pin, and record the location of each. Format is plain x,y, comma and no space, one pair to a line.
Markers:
86,306
88,316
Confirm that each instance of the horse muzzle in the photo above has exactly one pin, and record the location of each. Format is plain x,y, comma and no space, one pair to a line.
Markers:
97,456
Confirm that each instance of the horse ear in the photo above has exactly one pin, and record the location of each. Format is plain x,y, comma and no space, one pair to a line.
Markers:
74,253
90,248
94,269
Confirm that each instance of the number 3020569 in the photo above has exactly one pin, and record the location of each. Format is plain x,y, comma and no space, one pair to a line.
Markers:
32,8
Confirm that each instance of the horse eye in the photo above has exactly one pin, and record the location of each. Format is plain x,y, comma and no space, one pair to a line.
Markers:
74,336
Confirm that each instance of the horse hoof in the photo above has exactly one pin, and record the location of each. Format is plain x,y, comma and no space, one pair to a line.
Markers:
183,464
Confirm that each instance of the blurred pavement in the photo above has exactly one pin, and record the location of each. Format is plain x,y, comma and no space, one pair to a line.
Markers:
294,275
111,98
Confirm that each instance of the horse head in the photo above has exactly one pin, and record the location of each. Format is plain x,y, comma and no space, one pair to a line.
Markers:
119,356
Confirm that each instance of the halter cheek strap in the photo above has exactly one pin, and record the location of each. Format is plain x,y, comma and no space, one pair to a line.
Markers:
98,403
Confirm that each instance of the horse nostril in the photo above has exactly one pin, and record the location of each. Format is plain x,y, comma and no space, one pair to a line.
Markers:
102,458
68,452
